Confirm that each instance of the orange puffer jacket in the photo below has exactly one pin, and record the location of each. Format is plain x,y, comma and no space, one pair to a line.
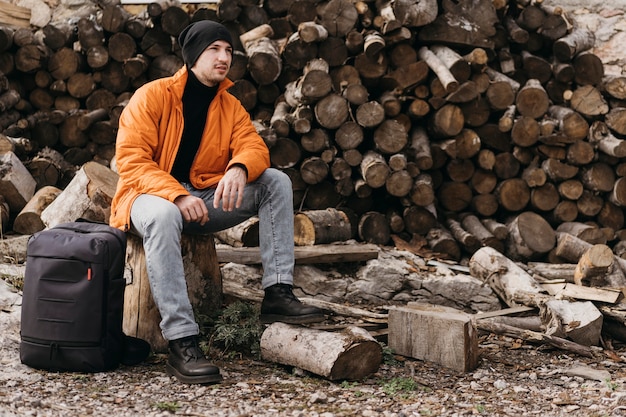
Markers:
150,129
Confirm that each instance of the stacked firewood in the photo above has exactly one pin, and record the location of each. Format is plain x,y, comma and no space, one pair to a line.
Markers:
468,124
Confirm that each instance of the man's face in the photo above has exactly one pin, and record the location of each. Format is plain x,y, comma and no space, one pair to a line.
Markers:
213,64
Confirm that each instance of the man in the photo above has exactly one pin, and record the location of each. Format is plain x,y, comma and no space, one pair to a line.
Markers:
189,159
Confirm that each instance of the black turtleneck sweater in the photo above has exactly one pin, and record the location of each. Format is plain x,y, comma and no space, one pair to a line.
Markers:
196,100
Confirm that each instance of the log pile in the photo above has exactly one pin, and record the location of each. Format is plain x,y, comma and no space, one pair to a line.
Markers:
503,132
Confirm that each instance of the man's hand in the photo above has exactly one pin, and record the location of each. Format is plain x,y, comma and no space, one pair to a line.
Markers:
193,209
230,188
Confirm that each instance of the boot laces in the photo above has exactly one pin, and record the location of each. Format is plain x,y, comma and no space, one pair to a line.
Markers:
288,294
191,349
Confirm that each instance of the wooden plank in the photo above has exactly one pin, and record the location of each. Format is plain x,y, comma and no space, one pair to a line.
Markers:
438,334
580,292
329,253
503,312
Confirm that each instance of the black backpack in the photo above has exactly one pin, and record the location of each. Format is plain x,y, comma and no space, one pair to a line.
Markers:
73,300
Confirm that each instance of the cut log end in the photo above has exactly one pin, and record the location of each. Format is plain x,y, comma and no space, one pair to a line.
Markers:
357,362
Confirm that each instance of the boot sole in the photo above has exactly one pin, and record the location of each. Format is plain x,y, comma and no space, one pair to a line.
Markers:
200,379
273,318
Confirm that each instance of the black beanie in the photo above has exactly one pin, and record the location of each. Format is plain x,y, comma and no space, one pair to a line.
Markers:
196,37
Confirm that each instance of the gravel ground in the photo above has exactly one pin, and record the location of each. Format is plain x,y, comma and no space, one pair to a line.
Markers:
513,379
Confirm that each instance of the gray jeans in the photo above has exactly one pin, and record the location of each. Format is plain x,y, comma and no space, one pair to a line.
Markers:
160,224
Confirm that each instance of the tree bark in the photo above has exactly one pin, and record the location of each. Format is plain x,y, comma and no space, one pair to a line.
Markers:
351,354
512,284
374,169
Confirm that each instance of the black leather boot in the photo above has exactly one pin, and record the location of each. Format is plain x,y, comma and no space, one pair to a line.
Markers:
280,304
186,362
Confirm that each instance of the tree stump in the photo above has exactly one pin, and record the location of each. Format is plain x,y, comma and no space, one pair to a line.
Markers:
437,334
204,285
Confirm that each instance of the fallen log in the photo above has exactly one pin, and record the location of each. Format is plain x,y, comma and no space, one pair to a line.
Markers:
514,285
473,225
577,41
351,354
442,242
588,101
601,136
589,233
616,313
470,242
264,61
348,311
453,26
